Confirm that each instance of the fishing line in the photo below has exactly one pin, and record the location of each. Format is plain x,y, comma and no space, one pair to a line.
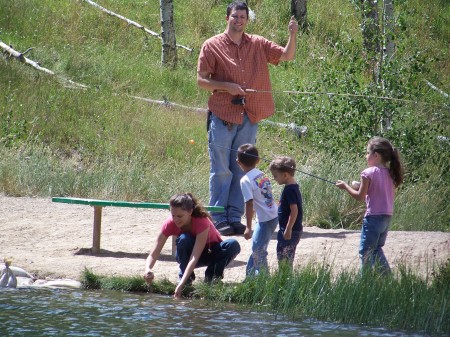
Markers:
268,160
293,92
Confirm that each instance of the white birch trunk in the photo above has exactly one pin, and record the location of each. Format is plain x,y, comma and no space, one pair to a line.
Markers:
371,35
388,53
20,56
131,22
169,44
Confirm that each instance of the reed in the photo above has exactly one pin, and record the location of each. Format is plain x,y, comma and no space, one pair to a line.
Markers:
402,301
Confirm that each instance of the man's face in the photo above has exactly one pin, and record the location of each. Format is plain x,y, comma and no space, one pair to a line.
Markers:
237,21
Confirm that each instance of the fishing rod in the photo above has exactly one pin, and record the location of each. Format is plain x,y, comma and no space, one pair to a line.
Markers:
240,100
268,160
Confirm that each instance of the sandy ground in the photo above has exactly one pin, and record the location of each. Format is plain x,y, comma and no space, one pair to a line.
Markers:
53,240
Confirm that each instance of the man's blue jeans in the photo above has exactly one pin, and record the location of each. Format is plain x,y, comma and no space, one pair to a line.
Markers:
373,237
215,257
225,174
260,241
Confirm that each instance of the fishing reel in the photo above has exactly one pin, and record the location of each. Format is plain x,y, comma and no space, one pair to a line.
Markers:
238,100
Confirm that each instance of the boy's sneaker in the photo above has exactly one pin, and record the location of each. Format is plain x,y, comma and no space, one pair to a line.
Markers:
224,228
238,228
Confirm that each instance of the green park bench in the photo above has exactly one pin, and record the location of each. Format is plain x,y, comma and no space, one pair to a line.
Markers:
99,204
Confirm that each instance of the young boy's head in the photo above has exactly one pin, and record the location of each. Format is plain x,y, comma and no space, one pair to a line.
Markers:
283,169
247,156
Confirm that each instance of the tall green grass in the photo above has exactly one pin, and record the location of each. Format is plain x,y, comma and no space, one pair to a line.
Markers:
400,302
151,173
101,143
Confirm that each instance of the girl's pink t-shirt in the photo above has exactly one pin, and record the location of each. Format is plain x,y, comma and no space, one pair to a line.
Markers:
380,195
198,225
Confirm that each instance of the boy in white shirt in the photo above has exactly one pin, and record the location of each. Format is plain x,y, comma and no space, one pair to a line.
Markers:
257,192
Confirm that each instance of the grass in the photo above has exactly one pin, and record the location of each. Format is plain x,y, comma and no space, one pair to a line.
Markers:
402,301
90,280
101,143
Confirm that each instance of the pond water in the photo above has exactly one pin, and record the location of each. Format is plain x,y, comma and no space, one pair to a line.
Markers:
62,312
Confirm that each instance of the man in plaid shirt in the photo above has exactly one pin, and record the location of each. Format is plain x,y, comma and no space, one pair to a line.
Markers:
228,64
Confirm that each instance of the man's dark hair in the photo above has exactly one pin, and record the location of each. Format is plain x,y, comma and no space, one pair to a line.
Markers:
237,5
248,155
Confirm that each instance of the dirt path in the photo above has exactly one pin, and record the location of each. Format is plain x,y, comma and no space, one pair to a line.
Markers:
53,240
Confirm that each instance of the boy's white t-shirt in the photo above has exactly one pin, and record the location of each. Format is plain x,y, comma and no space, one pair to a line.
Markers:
256,185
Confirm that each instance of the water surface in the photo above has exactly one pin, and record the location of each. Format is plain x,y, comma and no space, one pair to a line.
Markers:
62,312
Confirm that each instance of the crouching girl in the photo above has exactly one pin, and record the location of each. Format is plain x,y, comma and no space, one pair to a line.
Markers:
198,242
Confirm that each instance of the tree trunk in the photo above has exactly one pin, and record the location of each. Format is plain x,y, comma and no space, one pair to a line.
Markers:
169,50
388,29
388,53
371,35
299,11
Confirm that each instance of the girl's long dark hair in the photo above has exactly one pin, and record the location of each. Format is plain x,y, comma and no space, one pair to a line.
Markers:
187,202
389,154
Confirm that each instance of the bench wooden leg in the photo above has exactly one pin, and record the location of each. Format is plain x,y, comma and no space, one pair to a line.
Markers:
97,229
174,245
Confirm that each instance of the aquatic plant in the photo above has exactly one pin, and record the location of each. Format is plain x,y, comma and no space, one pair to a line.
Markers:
92,281
89,280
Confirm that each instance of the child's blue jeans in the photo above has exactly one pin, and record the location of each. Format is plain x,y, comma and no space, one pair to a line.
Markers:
260,241
286,248
373,237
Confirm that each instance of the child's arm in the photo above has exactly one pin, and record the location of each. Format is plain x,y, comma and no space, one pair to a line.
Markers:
249,217
292,217
359,194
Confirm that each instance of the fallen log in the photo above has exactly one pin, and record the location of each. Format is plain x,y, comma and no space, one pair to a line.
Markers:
20,56
300,131
435,88
131,22
168,104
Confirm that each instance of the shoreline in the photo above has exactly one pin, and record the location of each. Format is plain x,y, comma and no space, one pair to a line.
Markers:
53,241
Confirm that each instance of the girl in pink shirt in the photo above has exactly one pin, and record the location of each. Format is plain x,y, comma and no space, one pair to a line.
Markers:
377,186
198,242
